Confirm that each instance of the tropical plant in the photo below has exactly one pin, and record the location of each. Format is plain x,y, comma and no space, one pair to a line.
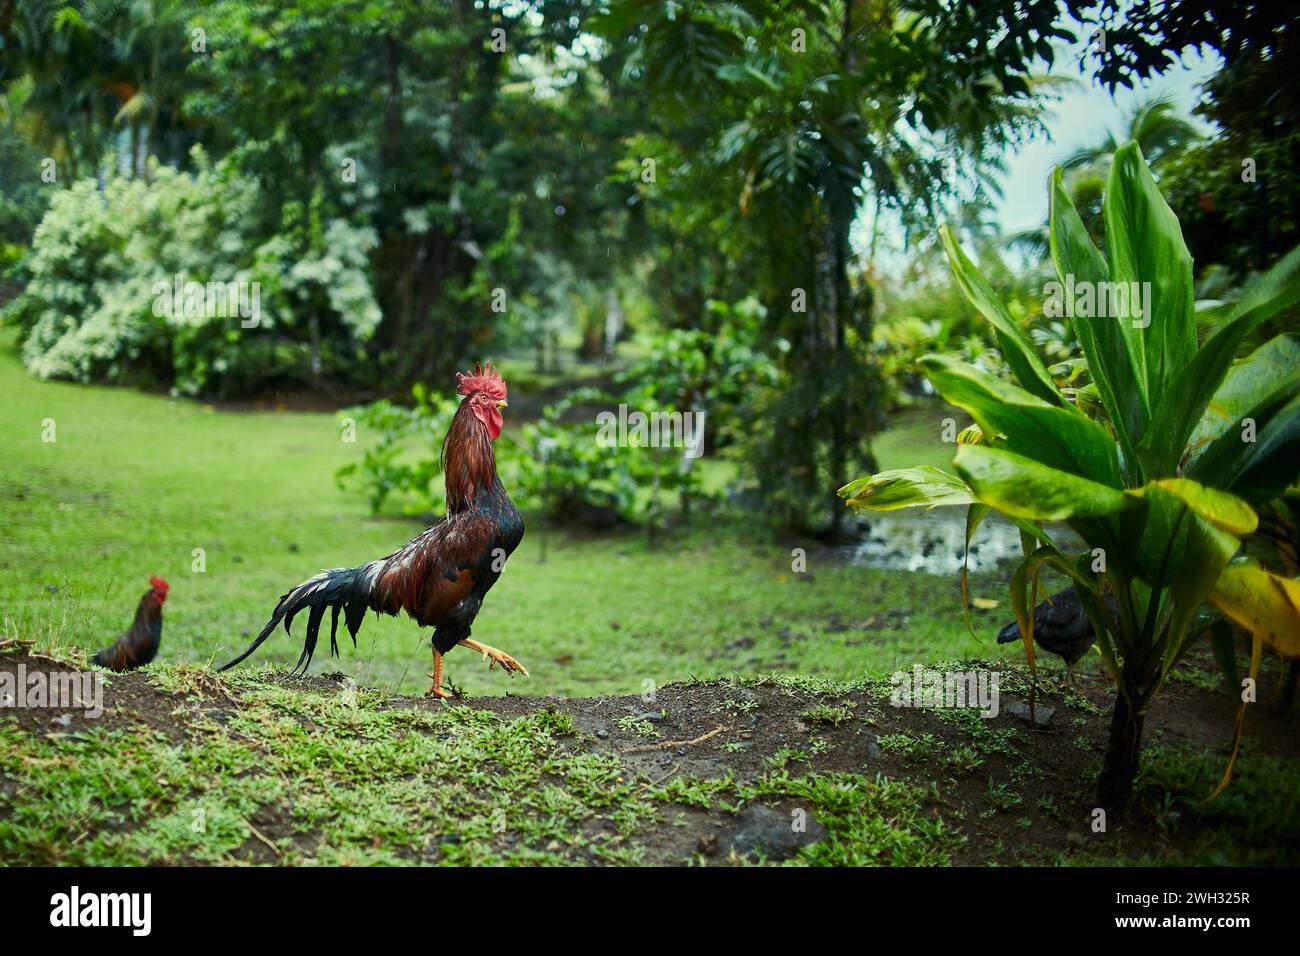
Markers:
1158,463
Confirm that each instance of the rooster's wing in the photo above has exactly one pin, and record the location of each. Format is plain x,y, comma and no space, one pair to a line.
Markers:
438,575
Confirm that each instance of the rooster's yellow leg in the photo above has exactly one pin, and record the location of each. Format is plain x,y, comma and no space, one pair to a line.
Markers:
507,662
436,690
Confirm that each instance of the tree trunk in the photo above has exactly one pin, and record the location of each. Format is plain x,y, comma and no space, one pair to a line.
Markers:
314,326
135,149
1120,766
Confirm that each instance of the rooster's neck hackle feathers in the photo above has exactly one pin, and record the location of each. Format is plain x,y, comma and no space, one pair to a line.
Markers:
468,462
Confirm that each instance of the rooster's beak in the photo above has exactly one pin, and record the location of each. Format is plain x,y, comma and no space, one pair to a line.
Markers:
502,404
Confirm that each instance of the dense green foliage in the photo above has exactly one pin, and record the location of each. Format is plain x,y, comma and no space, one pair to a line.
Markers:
99,303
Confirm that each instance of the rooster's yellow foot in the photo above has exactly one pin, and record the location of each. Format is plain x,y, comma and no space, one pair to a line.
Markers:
437,691
508,663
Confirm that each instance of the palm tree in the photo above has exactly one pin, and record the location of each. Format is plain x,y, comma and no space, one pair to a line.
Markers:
149,41
1160,131
1154,124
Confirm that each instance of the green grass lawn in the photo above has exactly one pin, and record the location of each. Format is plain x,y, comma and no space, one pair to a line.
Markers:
134,484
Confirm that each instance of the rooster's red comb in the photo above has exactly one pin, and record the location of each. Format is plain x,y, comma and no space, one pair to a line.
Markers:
484,379
159,584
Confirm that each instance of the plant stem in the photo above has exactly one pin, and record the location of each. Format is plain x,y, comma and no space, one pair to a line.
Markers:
1120,766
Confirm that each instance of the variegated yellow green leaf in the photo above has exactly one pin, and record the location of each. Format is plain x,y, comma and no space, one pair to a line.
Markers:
925,487
1263,603
1225,511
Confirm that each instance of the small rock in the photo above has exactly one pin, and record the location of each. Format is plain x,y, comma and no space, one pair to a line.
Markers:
63,720
1076,840
708,844
602,733
1042,715
743,695
773,834
874,751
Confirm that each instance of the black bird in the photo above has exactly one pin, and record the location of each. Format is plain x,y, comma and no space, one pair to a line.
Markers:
1061,627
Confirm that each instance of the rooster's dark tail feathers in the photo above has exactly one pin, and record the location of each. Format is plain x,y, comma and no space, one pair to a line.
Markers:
339,589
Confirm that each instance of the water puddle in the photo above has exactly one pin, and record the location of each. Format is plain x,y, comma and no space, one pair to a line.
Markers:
935,542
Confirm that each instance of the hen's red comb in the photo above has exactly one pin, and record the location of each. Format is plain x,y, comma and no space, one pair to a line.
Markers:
485,379
159,584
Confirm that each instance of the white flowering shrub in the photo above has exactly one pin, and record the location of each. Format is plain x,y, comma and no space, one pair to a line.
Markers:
99,303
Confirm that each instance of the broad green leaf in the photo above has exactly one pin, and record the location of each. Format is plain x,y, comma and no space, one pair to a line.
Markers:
1263,603
1016,347
1271,372
1144,244
1024,488
1192,394
1275,290
1112,347
1199,554
1259,469
906,488
1046,433
1157,536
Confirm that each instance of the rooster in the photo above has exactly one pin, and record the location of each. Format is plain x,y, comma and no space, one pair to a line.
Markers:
1061,627
440,577
139,645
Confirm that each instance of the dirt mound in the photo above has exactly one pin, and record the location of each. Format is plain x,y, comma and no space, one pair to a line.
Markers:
701,772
